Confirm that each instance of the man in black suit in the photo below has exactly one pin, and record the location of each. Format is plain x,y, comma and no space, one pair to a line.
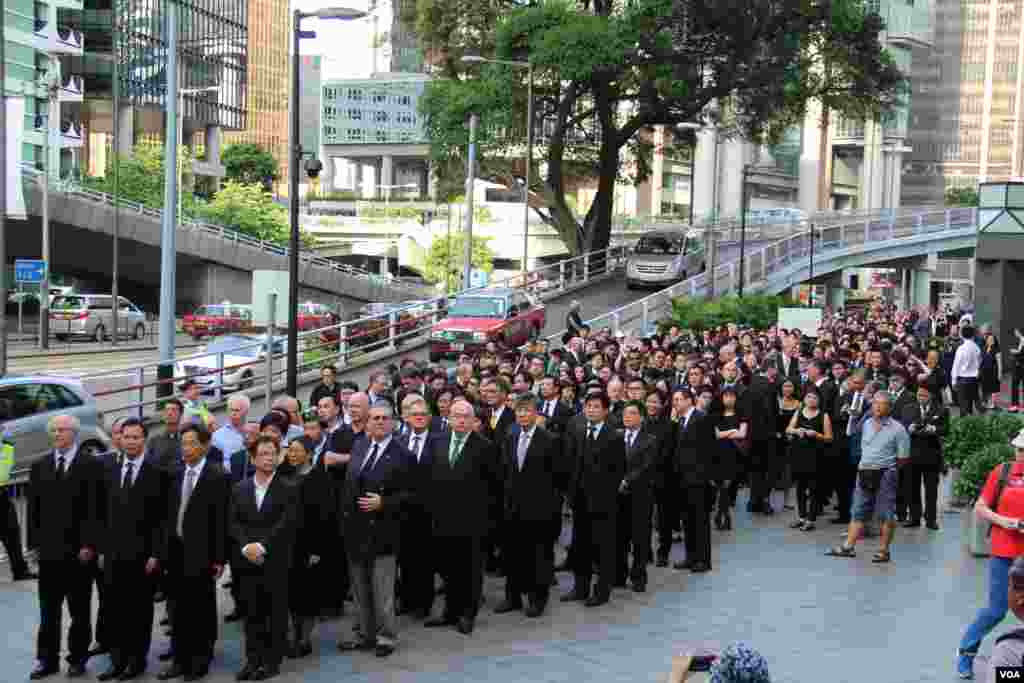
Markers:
465,478
694,448
496,423
788,361
262,522
241,468
556,414
844,430
196,553
928,420
377,487
131,550
534,476
416,570
761,406
64,519
166,446
636,498
598,455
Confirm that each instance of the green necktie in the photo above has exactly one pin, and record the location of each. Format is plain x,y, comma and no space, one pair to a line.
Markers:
456,448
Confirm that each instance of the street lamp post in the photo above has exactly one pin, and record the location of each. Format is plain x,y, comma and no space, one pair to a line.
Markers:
813,236
181,137
743,228
344,14
473,59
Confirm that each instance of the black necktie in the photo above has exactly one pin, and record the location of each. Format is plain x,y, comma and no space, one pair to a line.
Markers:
370,461
126,480
60,467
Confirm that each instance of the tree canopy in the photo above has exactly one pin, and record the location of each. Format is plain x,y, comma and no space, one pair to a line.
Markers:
445,259
961,196
249,163
605,73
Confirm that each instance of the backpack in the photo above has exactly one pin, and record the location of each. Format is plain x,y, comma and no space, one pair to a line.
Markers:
1015,634
1004,474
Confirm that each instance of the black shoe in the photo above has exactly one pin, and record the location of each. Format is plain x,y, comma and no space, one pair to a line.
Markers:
197,675
535,610
384,649
303,650
171,672
465,626
113,672
166,656
563,566
662,561
159,596
265,673
132,672
76,669
619,583
700,567
247,672
839,520
97,651
436,622
42,670
508,606
767,509
639,587
596,600
910,524
353,645
26,576
166,621
236,615
574,596
682,564
934,526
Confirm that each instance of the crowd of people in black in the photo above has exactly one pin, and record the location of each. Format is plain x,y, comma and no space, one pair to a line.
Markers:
371,493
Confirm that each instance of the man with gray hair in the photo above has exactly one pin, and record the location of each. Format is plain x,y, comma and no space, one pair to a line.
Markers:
884,447
230,438
63,516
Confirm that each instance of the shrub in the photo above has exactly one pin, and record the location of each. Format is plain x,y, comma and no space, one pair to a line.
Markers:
971,433
977,466
758,310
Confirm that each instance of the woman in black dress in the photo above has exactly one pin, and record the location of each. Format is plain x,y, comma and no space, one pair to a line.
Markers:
809,429
788,405
990,371
307,579
730,430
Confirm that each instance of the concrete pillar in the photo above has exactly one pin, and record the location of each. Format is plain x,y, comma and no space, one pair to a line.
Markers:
327,174
431,182
212,142
384,265
811,166
387,173
704,173
126,129
922,291
360,190
424,179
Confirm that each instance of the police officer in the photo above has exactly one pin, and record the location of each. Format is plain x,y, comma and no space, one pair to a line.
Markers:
10,529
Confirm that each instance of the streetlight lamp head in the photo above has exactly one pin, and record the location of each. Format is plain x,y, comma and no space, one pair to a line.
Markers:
343,13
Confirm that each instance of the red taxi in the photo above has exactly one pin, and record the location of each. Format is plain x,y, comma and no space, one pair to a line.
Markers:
507,317
216,319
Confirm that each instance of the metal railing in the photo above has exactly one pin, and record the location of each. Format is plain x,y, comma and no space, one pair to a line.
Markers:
73,189
781,263
345,344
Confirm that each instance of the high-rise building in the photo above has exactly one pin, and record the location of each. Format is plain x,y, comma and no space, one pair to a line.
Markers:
44,83
267,84
213,43
968,128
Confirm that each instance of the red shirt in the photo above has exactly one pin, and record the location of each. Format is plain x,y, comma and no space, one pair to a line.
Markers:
1007,543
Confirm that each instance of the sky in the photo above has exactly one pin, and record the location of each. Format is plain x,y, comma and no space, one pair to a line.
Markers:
345,44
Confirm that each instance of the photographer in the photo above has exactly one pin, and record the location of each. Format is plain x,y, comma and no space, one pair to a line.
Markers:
738,663
1002,503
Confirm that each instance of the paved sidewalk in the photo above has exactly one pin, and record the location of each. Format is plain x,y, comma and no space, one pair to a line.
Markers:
815,618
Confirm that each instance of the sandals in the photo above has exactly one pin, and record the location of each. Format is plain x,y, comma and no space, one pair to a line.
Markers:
881,557
841,551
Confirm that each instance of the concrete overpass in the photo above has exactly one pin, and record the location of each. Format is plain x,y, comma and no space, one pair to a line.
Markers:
214,264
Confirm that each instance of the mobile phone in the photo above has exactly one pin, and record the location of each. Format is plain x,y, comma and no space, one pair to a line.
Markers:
702,662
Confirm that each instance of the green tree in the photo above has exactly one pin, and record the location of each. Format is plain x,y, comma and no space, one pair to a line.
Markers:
249,209
606,72
249,163
757,310
141,178
445,259
961,196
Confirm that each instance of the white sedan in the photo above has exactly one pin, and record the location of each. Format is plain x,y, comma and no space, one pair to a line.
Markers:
243,360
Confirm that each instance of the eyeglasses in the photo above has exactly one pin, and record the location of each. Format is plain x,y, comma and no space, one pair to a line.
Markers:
419,415
380,417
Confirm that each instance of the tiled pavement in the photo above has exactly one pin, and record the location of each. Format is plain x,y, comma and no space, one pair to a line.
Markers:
815,618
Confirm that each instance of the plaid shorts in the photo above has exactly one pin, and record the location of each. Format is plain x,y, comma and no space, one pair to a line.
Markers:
882,501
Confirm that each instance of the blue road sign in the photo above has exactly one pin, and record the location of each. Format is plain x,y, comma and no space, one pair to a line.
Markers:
26,270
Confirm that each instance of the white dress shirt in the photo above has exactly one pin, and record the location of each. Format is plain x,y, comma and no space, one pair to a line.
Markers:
967,361
197,471
136,464
68,455
420,439
261,491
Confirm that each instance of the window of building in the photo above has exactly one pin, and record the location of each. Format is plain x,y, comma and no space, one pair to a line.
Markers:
355,94
355,114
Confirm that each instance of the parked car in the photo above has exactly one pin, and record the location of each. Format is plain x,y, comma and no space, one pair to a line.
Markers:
313,316
92,316
27,404
214,319
508,317
373,321
243,362
664,257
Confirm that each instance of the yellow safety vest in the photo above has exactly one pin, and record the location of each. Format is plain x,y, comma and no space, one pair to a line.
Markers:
6,463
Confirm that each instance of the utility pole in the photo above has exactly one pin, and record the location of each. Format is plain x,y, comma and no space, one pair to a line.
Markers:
116,255
168,250
3,191
743,229
810,274
467,264
52,83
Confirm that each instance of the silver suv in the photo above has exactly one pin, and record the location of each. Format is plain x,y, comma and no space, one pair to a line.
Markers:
92,316
27,404
664,257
